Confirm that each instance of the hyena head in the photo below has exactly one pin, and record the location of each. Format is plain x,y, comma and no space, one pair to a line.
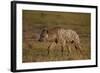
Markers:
43,35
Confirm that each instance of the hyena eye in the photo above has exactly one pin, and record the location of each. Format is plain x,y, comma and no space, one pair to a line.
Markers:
42,35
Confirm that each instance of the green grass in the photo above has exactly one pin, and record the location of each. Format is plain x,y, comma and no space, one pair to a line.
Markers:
34,21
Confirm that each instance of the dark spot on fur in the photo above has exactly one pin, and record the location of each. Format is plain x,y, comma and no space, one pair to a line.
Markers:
56,40
72,41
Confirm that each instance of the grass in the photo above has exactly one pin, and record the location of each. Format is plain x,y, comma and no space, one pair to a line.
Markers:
34,21
39,53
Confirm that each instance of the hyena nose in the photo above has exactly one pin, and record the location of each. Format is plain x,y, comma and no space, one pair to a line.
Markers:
39,40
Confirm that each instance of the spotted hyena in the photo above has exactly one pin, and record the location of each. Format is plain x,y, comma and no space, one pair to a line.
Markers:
62,36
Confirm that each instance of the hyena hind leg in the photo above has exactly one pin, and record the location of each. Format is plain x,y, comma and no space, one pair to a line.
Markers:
78,48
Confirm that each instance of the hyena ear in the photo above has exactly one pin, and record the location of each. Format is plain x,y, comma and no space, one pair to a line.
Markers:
45,30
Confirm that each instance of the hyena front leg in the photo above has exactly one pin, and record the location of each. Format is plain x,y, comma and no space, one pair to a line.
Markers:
68,49
63,47
53,44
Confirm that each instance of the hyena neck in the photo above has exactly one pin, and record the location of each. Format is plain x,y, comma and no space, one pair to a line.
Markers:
51,37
